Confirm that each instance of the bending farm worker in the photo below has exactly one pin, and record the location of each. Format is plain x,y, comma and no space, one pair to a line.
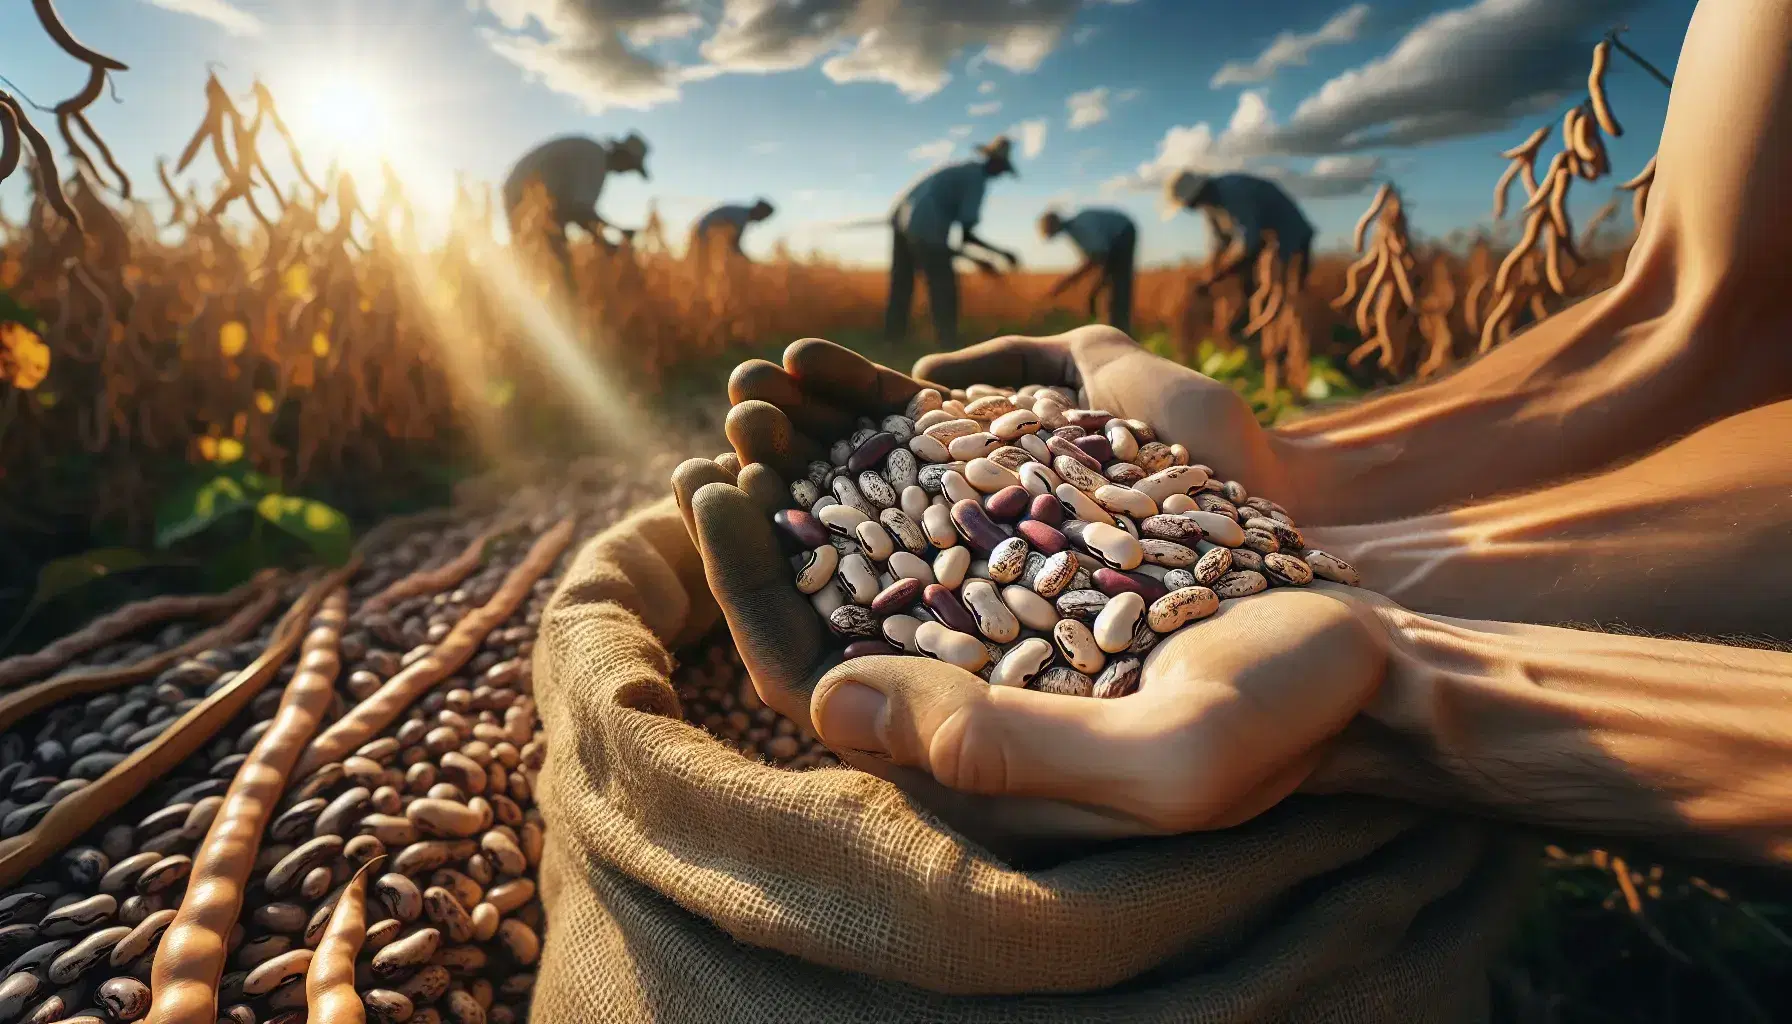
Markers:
1239,209
923,221
572,169
729,224
1108,241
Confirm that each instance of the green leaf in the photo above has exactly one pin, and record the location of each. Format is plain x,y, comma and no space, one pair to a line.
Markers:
193,509
320,527
19,313
64,576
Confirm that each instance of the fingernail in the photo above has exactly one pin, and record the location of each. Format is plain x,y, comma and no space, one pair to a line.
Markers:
849,718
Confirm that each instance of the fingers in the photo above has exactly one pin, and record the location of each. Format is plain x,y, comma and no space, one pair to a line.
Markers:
1012,361
838,375
765,487
765,381
760,432
994,740
689,478
775,628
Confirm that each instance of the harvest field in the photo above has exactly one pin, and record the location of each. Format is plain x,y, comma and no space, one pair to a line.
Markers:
258,380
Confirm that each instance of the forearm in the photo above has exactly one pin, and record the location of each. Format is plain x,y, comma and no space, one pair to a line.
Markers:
1685,743
1691,538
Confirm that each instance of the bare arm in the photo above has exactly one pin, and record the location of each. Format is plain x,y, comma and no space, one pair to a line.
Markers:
1686,743
1691,538
1676,344
1069,280
972,238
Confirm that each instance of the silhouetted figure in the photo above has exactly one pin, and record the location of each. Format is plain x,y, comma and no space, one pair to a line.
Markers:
923,221
1240,208
726,225
1109,242
572,168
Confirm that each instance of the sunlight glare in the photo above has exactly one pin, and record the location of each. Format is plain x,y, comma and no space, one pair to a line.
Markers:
347,117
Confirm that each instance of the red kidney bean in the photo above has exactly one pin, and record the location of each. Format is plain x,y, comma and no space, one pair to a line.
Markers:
1113,582
803,530
1046,540
897,596
1008,503
871,451
980,533
1047,509
1097,446
867,648
951,612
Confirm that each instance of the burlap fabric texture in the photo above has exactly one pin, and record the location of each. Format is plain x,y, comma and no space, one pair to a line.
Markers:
685,883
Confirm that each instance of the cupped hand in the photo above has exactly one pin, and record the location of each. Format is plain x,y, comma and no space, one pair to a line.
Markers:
1232,714
787,652
822,387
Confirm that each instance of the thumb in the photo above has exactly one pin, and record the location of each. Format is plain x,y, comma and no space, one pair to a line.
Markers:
994,740
1005,362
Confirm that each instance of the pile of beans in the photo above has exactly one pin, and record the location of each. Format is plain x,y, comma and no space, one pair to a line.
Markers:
716,693
445,796
1029,541
77,938
58,752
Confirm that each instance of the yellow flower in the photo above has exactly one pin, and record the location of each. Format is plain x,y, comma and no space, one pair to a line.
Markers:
320,344
208,449
264,401
232,337
229,450
24,358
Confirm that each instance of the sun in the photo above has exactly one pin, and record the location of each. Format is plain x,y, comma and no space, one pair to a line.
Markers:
348,118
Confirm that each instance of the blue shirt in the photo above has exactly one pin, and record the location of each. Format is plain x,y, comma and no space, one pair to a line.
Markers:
948,196
1095,231
732,216
1254,205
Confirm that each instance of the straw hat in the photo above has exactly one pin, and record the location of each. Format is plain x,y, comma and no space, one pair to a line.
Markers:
1000,149
636,147
1180,189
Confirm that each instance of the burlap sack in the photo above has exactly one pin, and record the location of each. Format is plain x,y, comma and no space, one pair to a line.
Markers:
686,883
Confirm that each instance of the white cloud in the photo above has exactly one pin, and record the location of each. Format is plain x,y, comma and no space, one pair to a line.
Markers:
933,152
591,50
1083,34
609,53
1291,48
909,45
986,87
959,131
1240,146
1030,135
231,19
1126,95
984,109
1089,107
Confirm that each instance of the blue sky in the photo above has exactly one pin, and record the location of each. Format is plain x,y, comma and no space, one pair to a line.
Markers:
830,107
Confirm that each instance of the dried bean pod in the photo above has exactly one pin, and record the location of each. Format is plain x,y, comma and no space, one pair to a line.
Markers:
191,953
330,996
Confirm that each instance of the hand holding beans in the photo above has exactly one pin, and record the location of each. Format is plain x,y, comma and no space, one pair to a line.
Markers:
1155,579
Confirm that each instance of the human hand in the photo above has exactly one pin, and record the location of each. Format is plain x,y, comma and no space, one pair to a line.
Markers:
822,387
1232,714
786,652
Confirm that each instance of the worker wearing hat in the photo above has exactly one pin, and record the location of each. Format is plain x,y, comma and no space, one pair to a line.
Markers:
923,221
1108,241
572,168
1240,208
728,224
